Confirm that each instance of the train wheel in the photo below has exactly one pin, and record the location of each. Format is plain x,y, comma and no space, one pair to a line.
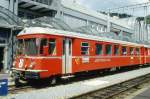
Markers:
53,80
118,68
17,82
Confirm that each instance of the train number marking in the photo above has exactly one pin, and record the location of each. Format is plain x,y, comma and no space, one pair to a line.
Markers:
21,62
102,60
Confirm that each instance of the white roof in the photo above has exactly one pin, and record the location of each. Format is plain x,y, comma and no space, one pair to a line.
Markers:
77,7
41,30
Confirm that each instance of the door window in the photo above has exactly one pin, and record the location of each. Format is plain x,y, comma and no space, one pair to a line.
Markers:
52,47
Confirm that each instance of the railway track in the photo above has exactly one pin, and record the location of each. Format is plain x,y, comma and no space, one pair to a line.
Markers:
35,86
112,91
27,87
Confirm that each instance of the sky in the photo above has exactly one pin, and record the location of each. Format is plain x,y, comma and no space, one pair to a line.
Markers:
105,4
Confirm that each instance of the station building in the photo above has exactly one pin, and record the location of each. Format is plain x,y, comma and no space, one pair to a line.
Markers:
67,15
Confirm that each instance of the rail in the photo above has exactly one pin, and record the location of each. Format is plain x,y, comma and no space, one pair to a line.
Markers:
114,90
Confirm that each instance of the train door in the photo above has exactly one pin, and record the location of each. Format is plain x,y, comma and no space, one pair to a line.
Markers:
67,56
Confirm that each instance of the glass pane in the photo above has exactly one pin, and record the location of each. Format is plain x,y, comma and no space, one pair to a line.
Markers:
43,43
84,48
30,47
85,44
64,48
84,53
108,50
131,51
20,47
124,50
70,49
137,51
116,50
98,49
52,47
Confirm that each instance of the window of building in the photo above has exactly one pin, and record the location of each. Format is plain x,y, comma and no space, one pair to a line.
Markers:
47,2
84,48
98,50
137,51
116,49
21,14
108,49
52,47
131,51
42,44
124,50
29,16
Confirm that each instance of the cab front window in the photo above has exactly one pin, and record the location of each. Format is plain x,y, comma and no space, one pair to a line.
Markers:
30,46
27,46
20,47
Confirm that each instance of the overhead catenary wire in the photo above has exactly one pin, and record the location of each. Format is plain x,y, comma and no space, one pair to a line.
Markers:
131,11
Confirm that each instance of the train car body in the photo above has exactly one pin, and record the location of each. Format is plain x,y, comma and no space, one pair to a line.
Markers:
44,52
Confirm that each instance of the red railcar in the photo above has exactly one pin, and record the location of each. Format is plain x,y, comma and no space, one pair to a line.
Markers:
43,53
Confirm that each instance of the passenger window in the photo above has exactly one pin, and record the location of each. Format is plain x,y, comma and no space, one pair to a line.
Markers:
131,51
116,49
98,50
84,48
42,44
137,51
108,49
52,47
124,50
148,51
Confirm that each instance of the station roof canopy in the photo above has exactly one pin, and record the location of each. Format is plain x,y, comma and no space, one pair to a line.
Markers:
9,19
36,6
48,22
55,23
94,31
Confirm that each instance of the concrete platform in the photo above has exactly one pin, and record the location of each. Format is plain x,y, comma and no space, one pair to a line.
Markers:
143,95
78,88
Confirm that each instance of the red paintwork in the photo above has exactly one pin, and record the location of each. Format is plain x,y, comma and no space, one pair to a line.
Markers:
54,65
